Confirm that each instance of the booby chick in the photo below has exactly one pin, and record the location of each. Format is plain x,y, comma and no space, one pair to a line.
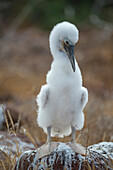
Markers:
62,100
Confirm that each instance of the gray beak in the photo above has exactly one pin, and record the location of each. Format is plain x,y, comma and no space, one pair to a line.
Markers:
70,52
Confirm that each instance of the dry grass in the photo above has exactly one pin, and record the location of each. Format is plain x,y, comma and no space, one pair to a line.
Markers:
10,160
29,136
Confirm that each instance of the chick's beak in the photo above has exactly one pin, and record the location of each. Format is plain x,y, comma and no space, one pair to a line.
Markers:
70,52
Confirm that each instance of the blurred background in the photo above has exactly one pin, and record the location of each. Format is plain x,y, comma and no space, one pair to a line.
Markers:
25,60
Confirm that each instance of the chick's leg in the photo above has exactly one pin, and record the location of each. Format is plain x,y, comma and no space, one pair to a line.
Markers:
49,136
73,135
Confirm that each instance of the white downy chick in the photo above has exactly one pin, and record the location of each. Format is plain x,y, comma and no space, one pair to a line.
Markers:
62,100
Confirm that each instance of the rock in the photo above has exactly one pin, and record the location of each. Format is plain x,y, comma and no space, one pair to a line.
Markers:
62,156
14,144
103,148
11,147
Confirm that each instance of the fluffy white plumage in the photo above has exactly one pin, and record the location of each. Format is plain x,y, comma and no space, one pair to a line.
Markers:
62,100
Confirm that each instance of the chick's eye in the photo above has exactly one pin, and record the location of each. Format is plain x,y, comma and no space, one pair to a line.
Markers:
67,42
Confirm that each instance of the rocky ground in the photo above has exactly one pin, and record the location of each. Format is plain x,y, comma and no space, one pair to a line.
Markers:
65,156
